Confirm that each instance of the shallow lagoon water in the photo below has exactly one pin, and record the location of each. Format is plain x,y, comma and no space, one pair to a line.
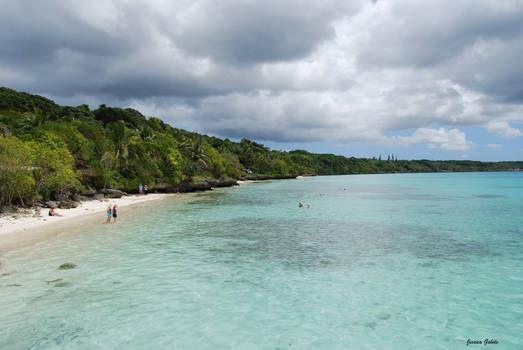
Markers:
394,261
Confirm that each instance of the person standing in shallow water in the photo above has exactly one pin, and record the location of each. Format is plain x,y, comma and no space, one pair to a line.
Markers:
109,213
140,189
115,213
145,189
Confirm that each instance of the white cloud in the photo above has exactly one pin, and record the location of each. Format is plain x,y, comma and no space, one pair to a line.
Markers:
494,145
502,128
448,139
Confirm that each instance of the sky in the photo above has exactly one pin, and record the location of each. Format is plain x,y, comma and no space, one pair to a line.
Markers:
434,79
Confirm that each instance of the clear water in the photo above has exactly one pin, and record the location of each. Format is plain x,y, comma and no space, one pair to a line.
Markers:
402,261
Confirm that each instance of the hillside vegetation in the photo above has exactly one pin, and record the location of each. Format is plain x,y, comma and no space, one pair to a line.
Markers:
47,151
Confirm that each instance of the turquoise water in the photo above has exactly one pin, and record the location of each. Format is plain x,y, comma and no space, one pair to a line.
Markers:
401,261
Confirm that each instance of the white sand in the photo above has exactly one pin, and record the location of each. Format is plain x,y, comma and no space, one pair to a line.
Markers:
29,224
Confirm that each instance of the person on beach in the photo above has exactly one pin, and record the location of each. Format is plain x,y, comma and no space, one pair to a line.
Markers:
109,213
115,213
140,189
145,189
53,213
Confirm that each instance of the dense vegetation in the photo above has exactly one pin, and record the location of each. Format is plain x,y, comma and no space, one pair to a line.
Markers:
47,149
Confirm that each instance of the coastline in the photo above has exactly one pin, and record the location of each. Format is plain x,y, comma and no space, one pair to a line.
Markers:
33,225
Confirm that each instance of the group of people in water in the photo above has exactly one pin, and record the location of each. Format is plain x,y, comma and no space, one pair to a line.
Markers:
300,205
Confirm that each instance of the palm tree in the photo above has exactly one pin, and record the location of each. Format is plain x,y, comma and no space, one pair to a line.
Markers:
120,135
194,151
35,118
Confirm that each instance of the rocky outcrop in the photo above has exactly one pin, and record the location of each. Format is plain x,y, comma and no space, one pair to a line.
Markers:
98,196
51,204
67,204
164,188
60,196
185,187
88,193
78,198
222,183
112,193
268,177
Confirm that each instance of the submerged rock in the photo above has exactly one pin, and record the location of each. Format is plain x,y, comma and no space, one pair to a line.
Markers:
66,266
54,281
62,284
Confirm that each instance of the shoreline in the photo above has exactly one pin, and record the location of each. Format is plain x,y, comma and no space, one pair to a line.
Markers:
32,225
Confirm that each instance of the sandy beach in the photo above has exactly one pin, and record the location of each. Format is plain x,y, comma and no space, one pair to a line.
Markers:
34,224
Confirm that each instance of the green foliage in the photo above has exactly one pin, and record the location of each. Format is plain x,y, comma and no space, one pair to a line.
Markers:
16,177
30,168
53,169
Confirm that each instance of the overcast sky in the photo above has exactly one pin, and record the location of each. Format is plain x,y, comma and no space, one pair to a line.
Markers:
421,79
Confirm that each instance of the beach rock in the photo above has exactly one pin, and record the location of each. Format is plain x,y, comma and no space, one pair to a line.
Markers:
67,204
98,196
60,196
7,209
89,193
112,193
66,266
50,204
78,198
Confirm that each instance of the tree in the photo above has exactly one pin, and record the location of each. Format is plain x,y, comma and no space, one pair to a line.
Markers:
16,162
120,135
53,169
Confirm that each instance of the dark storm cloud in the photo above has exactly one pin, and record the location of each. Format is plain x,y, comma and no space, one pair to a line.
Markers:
35,32
257,31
